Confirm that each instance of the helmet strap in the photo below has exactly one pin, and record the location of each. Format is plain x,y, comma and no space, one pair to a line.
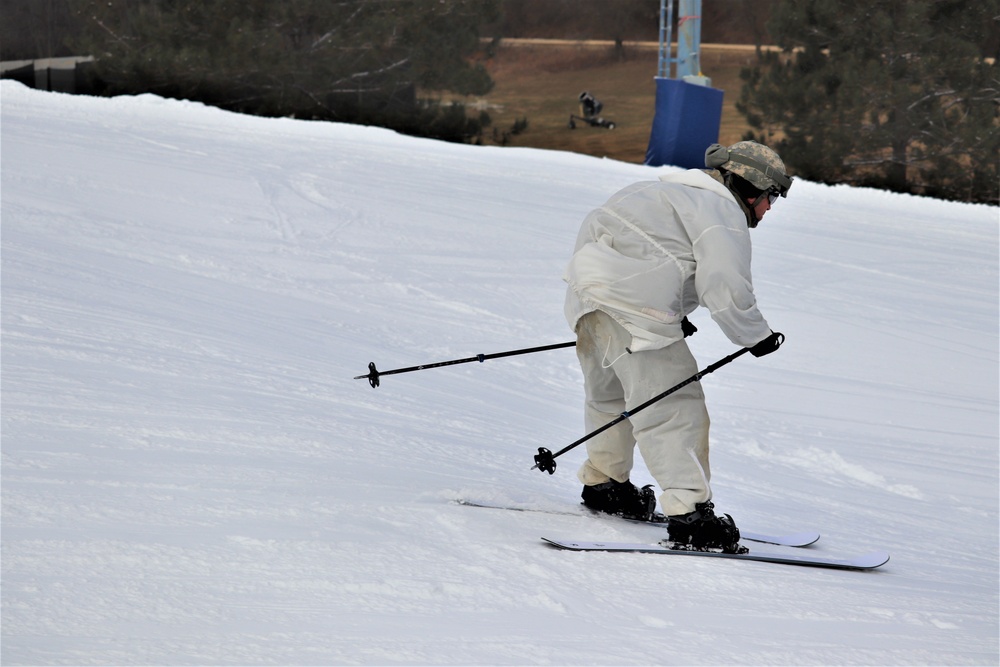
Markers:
749,210
753,209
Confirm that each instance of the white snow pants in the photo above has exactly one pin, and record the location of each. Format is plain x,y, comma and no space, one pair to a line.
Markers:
672,434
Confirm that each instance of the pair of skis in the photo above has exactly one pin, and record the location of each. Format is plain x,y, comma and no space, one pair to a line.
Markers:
797,540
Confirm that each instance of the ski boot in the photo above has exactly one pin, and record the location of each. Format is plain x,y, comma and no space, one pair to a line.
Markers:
622,499
703,530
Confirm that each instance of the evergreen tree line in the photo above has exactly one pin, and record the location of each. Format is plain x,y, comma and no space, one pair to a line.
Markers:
353,61
900,95
894,94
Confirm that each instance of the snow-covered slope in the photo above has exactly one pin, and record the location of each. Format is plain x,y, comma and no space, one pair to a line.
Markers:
191,475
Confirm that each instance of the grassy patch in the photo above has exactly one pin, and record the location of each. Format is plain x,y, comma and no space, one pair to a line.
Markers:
542,83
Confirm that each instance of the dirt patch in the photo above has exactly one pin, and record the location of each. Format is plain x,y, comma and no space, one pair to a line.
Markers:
543,82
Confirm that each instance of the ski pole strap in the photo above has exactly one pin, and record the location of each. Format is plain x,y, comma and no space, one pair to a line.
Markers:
545,460
374,374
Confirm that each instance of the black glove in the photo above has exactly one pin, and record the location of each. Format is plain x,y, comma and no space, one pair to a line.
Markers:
768,345
687,328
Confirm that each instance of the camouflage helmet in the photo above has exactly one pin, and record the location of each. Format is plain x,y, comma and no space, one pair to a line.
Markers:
755,163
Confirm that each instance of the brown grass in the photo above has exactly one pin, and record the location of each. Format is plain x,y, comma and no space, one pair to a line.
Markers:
542,83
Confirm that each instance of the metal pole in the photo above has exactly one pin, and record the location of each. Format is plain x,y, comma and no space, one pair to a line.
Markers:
661,64
373,373
670,37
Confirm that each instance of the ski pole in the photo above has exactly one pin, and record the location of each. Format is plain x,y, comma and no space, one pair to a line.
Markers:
374,374
546,460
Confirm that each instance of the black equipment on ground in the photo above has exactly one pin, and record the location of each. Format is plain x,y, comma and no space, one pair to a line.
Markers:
590,113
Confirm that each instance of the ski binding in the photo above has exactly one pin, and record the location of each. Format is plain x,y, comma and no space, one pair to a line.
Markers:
802,539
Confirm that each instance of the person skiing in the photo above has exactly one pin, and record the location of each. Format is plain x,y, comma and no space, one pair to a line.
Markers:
643,261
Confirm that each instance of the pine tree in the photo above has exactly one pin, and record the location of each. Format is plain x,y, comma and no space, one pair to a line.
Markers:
895,94
350,60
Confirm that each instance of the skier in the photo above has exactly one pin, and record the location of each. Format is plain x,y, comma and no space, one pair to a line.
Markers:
643,261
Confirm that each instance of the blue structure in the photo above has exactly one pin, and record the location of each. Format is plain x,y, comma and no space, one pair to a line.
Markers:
688,109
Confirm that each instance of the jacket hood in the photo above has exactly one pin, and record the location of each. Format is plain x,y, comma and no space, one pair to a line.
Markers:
708,179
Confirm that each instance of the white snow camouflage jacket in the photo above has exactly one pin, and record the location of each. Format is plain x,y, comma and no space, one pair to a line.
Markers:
659,249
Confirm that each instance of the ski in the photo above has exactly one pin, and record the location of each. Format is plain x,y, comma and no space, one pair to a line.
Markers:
803,539
865,562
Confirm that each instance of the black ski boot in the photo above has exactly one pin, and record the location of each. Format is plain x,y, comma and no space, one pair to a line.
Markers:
622,499
702,530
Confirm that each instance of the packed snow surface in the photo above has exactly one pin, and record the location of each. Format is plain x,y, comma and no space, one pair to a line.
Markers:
192,475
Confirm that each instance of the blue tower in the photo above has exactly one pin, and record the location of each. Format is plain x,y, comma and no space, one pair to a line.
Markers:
688,109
